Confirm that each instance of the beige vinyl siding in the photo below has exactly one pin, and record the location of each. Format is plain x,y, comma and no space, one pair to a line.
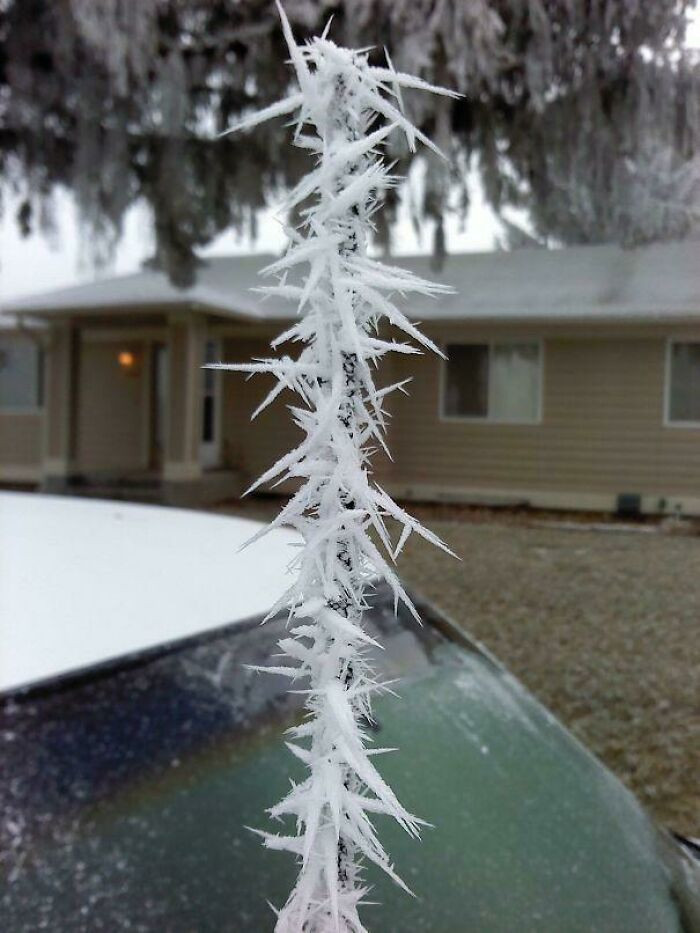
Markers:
602,428
20,444
252,447
605,420
112,408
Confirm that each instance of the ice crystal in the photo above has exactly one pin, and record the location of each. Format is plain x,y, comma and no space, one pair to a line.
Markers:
345,110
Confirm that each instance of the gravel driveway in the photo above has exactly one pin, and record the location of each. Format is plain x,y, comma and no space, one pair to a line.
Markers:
603,626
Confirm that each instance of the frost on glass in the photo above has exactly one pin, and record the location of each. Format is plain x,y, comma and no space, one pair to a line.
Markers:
344,111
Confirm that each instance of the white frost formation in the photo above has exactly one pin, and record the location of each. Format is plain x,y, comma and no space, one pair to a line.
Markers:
341,301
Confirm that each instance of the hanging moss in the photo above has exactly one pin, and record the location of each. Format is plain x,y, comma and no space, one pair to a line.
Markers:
585,113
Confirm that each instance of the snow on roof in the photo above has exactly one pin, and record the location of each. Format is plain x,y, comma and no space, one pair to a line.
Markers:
659,282
222,285
85,581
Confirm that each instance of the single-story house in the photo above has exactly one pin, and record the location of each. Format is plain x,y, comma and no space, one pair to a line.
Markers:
572,381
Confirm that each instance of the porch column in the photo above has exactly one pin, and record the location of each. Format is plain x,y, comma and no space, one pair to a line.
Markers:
60,405
182,467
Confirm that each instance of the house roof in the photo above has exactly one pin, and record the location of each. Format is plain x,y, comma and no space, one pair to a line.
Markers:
583,283
223,285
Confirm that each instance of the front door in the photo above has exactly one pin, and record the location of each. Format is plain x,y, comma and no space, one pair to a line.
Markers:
210,447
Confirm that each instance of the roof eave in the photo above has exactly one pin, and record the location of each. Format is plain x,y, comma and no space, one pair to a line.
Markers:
45,313
689,316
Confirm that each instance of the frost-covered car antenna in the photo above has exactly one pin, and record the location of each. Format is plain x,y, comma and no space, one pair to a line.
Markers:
341,302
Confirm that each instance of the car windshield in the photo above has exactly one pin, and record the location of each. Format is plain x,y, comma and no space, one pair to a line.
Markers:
127,791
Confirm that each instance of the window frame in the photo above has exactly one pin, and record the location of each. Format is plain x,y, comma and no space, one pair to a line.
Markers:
668,362
488,418
37,409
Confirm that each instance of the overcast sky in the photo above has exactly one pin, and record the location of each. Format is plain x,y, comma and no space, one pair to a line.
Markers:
35,265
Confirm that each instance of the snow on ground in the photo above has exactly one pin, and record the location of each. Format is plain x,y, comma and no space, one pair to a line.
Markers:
83,581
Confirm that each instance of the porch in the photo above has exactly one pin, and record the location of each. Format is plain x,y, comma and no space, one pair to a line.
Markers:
130,414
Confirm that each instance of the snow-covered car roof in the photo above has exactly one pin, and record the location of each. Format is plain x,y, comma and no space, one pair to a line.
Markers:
582,283
84,581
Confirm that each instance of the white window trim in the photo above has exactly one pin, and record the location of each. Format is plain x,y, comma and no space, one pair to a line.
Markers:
489,419
667,422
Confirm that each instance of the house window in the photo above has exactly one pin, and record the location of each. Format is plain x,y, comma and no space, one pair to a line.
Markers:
683,400
20,374
493,382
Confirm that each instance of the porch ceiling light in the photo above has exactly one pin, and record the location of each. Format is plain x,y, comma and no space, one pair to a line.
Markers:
126,359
